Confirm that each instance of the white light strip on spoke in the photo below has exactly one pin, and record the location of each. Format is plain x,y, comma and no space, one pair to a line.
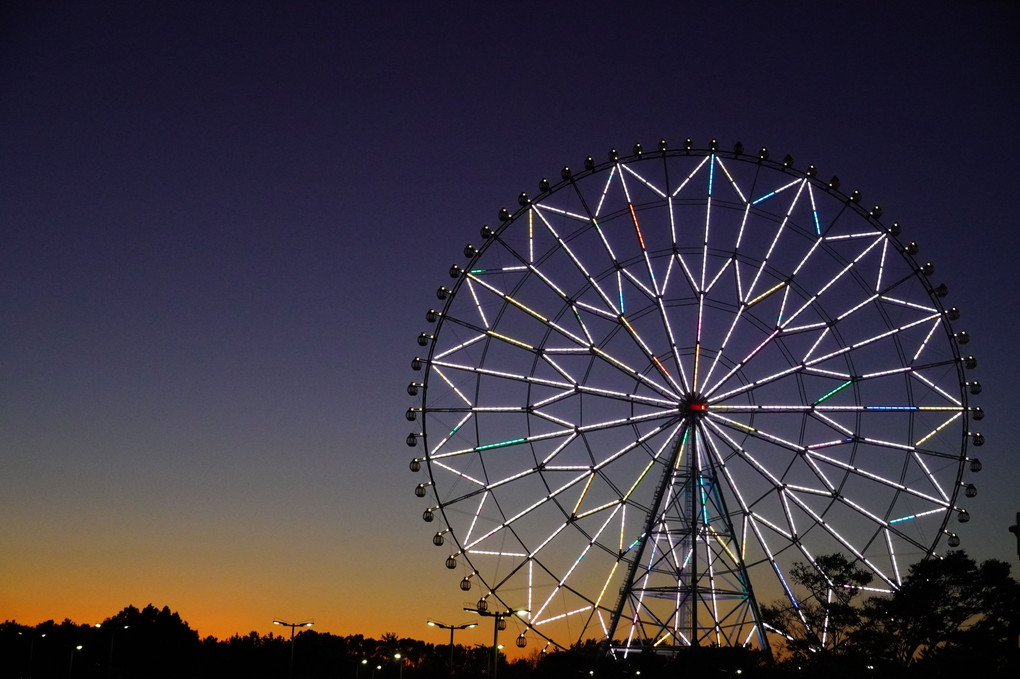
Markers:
644,181
881,266
917,516
474,519
892,556
739,366
870,340
632,372
931,477
457,348
745,454
779,230
941,391
853,236
528,510
757,383
803,328
689,177
777,191
605,189
558,449
825,287
821,415
577,263
859,306
649,355
881,479
650,294
726,339
442,375
912,305
559,369
925,342
733,183
846,543
450,435
756,517
459,473
672,344
715,279
478,305
814,210
563,580
540,207
499,373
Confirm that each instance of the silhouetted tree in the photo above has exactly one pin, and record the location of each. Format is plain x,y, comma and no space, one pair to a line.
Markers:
824,620
951,615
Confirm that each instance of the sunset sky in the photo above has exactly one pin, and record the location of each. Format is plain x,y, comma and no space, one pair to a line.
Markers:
221,224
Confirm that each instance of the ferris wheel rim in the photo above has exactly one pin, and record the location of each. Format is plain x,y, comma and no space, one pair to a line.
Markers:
851,202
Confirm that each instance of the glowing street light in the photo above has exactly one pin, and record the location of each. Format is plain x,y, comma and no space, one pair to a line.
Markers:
400,659
499,623
109,660
70,665
467,625
292,625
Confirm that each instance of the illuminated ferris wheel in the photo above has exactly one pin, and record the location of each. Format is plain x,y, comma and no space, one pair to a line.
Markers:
665,379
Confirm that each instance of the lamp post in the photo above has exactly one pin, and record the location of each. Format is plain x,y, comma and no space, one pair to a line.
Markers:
467,625
70,665
31,650
400,659
357,672
292,625
499,623
109,660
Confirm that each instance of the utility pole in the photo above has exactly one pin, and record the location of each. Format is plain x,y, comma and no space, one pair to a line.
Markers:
1015,530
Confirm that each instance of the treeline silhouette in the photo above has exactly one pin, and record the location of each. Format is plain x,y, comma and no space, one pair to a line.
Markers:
951,617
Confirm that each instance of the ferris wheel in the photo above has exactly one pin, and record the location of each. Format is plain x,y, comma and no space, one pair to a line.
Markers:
666,378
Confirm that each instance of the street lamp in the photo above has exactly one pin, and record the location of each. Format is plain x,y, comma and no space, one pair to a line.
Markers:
467,625
400,659
499,623
292,625
109,660
357,673
31,649
70,665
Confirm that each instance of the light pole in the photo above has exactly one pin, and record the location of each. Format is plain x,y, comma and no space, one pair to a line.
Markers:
499,623
109,660
357,673
292,625
467,625
1015,530
400,659
31,650
70,665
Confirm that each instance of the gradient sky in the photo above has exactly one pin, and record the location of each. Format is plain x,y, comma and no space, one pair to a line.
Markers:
221,224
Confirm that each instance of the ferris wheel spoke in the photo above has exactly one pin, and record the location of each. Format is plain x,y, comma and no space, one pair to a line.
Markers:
877,478
527,510
779,230
609,302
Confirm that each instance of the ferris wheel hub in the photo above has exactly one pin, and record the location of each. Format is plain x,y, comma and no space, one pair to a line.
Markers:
693,406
